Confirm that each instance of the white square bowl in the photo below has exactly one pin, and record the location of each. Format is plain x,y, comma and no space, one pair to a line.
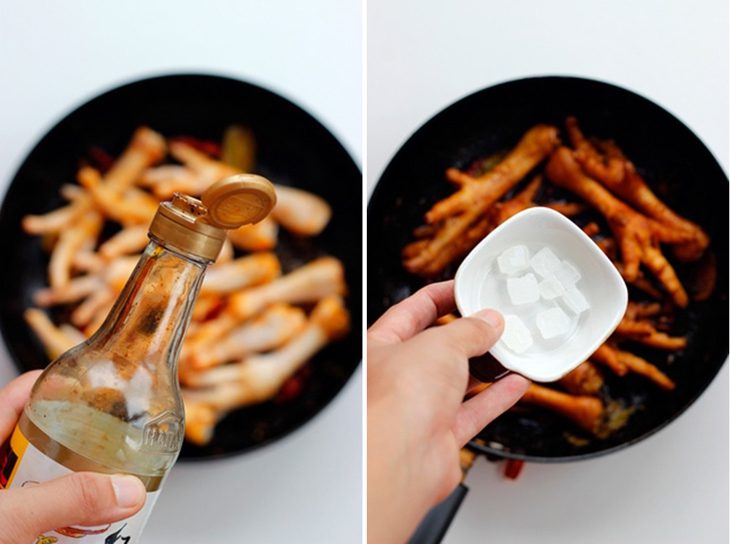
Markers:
476,287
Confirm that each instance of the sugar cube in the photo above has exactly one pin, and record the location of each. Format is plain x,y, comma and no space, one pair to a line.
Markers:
516,335
523,290
551,288
553,322
545,262
567,274
575,300
514,259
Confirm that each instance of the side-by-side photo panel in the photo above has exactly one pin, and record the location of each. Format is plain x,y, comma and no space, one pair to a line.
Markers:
547,270
182,223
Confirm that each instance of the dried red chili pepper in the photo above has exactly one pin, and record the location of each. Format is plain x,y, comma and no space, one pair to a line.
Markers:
513,468
100,159
208,147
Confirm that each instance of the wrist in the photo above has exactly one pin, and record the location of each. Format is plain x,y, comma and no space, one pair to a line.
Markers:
396,498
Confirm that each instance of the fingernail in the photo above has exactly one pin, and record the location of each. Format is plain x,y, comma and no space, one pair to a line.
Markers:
128,490
492,317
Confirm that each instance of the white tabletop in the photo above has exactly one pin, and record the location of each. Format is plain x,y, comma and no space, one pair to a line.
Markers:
672,487
55,55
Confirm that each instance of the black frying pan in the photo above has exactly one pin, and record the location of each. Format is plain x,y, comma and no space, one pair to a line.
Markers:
293,148
681,169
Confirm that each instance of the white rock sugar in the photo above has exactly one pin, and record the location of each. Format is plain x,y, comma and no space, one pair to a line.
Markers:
567,274
523,290
544,298
550,288
516,335
553,322
514,259
545,262
575,300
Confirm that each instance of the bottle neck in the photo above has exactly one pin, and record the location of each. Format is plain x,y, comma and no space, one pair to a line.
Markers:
148,322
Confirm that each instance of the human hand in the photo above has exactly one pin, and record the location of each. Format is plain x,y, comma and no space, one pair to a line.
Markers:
81,498
417,420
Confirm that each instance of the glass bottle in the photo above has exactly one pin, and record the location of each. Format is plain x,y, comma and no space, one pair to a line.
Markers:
112,404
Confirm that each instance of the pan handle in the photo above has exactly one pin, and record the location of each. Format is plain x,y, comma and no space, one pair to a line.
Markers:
434,526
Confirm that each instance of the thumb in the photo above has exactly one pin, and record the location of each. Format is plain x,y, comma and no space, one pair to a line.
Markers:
466,337
81,498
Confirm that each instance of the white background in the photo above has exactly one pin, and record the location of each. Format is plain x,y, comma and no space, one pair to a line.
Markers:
422,56
54,56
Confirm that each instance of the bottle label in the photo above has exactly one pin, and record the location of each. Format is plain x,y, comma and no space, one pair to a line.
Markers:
24,465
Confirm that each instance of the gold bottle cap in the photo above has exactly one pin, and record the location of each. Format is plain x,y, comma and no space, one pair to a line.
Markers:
238,200
199,227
